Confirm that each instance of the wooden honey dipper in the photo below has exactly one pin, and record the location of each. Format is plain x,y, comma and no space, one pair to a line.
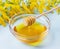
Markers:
30,19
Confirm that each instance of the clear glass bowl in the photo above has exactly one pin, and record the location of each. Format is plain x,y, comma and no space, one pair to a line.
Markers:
30,40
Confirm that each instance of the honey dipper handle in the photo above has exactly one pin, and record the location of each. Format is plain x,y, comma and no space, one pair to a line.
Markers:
48,11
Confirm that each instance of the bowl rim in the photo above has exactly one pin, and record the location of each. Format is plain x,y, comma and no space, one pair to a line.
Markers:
10,27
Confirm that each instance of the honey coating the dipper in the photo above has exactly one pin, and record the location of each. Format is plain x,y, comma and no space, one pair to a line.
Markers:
29,20
33,34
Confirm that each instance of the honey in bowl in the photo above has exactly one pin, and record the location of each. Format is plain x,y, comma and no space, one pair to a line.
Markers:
32,35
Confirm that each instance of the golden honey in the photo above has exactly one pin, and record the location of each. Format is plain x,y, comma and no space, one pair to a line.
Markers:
32,35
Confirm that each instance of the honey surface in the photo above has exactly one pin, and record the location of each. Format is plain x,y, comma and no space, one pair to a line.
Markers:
31,32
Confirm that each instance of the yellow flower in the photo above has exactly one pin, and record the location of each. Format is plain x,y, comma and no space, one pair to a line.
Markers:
2,21
53,3
7,5
17,9
49,2
2,9
48,7
33,5
41,7
17,1
25,7
33,0
11,13
4,15
14,1
0,1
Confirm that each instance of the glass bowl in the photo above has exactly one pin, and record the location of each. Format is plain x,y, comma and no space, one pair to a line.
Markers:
35,39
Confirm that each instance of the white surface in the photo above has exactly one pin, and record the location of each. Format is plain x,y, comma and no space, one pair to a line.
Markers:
8,41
